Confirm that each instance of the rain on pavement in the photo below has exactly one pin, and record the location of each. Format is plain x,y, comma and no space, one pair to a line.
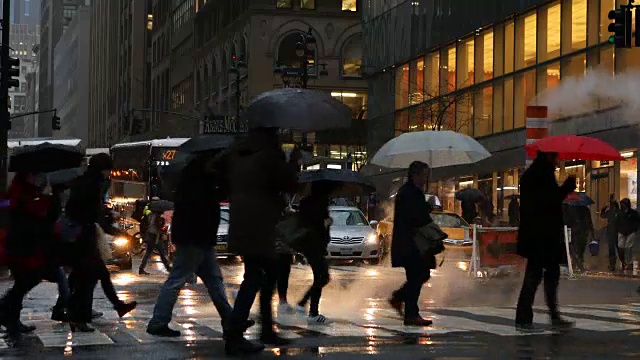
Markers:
473,319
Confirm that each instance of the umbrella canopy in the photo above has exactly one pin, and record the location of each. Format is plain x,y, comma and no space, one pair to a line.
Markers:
298,109
436,148
469,194
578,199
571,147
45,157
160,206
348,182
64,177
206,142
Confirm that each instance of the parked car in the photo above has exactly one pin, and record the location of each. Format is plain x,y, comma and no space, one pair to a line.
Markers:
121,246
353,237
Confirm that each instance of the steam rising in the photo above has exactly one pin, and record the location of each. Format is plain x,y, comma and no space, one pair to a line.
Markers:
596,90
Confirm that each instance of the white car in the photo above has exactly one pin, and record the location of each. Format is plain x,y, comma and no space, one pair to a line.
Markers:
352,236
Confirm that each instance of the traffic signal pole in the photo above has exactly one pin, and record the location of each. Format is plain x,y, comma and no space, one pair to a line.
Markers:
4,94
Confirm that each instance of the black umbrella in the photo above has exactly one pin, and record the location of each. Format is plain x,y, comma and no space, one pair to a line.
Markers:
45,157
349,182
160,206
469,194
64,177
298,109
206,142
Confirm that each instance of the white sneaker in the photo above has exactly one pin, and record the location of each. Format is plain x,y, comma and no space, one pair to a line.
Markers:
318,320
285,308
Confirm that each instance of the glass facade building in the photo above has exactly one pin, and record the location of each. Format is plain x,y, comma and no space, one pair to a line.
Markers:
481,82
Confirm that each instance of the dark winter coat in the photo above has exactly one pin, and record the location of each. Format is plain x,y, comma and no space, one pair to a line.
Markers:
313,212
514,212
85,204
541,231
411,212
196,214
258,175
627,222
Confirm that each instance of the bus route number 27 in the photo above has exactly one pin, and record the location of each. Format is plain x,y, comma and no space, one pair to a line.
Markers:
169,155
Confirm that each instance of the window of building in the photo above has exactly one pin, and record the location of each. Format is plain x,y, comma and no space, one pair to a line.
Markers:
402,122
548,77
352,57
284,4
498,106
549,19
526,41
606,65
466,63
483,111
524,93
288,57
432,75
578,24
448,76
464,110
508,104
485,68
355,100
402,86
509,53
499,49
415,94
419,80
574,66
308,4
349,5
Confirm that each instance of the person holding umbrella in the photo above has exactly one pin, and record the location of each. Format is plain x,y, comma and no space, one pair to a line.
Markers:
541,237
152,240
258,176
469,197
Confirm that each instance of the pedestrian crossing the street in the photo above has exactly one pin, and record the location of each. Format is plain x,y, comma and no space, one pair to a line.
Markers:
371,323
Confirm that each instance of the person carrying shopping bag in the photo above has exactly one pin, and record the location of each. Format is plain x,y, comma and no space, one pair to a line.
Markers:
627,223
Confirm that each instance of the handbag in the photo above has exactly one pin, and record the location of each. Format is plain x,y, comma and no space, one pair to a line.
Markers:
594,247
429,239
68,230
290,232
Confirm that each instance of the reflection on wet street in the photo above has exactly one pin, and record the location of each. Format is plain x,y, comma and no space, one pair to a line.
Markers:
473,319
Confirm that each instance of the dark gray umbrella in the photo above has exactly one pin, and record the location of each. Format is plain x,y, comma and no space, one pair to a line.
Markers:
469,194
160,206
45,157
298,109
348,182
206,142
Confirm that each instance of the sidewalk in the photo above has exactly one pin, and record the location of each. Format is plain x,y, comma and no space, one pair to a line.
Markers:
599,265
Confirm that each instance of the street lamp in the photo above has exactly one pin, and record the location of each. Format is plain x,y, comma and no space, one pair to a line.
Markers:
235,69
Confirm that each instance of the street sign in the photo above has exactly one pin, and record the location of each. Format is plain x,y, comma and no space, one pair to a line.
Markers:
220,124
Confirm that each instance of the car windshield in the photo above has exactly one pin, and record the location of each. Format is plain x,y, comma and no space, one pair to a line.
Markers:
224,216
348,218
448,220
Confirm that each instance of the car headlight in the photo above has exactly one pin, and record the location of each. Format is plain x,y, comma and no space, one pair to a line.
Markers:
372,239
121,241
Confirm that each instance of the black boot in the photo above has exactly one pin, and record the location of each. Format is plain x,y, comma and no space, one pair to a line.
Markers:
58,314
239,346
124,308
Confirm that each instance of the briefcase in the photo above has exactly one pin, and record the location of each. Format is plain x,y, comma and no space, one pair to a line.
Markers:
429,239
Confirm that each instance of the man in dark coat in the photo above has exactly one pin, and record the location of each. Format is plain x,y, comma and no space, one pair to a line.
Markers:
195,227
541,237
258,176
411,212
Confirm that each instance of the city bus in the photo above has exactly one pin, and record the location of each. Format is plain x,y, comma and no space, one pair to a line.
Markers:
137,167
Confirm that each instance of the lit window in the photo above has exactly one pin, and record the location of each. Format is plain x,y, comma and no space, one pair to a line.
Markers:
352,56
349,5
284,4
308,4
578,24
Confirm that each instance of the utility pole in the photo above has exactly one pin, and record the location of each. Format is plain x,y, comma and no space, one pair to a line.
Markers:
4,94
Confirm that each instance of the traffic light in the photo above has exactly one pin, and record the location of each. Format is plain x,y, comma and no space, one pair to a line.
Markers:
14,72
621,27
55,122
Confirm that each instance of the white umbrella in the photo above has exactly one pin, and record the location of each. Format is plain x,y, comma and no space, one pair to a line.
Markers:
436,148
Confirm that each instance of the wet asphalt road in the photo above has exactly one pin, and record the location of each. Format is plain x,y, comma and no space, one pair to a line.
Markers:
472,320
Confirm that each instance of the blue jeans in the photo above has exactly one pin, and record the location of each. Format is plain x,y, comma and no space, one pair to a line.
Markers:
188,260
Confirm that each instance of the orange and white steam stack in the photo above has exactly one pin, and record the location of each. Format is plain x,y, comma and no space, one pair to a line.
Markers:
537,127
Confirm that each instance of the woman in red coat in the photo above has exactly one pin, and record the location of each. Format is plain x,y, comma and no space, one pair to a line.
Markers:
30,223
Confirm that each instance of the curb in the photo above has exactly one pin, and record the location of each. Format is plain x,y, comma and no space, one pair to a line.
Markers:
603,274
